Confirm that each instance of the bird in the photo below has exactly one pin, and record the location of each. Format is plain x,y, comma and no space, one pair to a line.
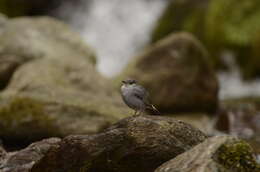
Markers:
135,96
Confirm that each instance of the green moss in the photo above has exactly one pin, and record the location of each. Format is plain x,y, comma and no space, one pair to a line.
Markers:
181,15
237,156
221,25
234,26
25,118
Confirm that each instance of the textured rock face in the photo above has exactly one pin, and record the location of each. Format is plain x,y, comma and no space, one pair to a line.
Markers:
22,161
2,154
219,153
133,144
177,74
51,86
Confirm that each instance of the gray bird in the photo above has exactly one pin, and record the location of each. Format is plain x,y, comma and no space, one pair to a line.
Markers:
136,97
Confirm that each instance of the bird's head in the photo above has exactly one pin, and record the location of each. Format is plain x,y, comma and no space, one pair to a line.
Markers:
129,82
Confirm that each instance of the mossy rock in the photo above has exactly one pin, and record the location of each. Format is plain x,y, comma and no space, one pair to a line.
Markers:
27,39
177,73
25,116
237,156
53,83
221,25
26,119
218,153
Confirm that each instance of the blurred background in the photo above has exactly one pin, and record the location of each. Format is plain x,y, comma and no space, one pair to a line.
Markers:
203,54
118,30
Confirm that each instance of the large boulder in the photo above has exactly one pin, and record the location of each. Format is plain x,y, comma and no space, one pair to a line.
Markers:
178,75
139,143
221,25
219,153
52,87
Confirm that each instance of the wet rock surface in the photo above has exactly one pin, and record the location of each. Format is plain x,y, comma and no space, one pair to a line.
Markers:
171,67
219,153
139,143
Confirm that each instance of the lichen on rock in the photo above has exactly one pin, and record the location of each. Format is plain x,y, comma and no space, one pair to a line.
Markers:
237,156
218,153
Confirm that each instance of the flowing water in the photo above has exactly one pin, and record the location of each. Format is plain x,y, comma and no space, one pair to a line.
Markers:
116,29
119,29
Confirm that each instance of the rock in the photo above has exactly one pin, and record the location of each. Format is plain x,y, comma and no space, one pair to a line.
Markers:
219,153
241,118
22,161
138,143
27,39
24,119
53,88
177,74
202,121
219,33
2,153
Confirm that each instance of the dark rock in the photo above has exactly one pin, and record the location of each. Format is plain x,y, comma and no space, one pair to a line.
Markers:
2,153
8,65
219,153
139,143
22,161
178,75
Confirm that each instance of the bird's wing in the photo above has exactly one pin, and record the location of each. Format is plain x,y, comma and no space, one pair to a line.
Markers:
141,93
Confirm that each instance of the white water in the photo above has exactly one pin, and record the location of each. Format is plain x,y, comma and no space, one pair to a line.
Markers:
231,83
116,29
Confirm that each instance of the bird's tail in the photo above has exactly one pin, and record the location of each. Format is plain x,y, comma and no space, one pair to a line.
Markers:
151,110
